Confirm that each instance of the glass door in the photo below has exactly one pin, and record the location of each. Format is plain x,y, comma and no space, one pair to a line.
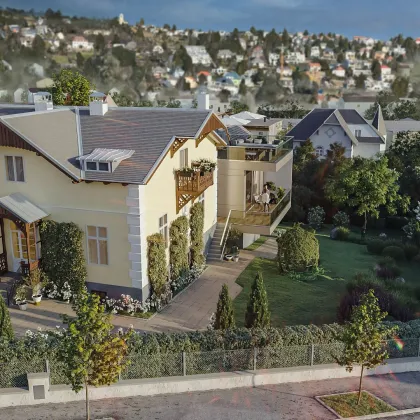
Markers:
19,245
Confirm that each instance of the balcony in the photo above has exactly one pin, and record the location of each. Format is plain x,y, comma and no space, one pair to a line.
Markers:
189,186
258,153
255,220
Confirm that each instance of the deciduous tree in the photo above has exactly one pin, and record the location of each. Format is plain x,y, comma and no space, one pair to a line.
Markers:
364,336
92,354
71,88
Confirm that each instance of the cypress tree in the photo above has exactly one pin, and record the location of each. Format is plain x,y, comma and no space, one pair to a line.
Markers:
224,315
257,313
6,329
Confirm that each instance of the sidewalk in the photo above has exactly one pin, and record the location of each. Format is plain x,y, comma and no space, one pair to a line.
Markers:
190,310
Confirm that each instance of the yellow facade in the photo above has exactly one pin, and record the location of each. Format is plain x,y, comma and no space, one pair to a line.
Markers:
96,204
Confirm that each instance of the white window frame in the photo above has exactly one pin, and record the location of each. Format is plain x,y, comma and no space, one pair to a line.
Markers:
97,238
97,166
358,133
164,229
183,158
319,151
14,168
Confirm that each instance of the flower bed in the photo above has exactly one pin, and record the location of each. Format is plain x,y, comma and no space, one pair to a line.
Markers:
128,306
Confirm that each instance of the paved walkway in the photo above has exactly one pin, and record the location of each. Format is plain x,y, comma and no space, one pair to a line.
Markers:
190,310
279,402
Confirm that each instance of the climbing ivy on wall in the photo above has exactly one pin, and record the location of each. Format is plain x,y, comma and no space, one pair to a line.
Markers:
156,264
63,258
196,234
178,248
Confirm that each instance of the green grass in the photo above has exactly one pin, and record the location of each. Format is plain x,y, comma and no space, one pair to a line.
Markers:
294,302
60,59
346,404
261,240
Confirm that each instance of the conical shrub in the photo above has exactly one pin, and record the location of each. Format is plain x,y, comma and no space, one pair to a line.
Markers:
257,313
224,315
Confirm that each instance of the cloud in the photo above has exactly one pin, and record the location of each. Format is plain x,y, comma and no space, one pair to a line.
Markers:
283,4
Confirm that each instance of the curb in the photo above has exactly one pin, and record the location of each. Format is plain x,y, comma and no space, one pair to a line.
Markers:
388,414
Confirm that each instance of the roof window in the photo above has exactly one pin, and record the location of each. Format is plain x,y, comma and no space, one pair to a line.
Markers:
104,160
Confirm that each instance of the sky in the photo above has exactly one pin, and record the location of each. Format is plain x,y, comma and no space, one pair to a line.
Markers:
376,18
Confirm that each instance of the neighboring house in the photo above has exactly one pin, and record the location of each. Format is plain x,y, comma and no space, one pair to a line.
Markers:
113,172
199,55
350,55
264,126
339,72
157,49
81,43
234,77
286,72
295,57
225,54
344,126
314,67
273,59
315,52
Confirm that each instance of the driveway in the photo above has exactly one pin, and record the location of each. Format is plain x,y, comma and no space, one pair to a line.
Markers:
281,402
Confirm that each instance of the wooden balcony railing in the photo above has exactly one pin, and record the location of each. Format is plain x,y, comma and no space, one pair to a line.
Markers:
190,186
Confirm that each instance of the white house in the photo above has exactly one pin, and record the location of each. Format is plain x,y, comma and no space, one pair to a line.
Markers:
350,55
295,57
157,49
339,72
273,58
315,52
287,71
225,54
344,126
81,43
387,75
199,55
314,67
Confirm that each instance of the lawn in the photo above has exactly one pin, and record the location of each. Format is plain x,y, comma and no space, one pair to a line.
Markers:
294,302
346,404
60,59
255,245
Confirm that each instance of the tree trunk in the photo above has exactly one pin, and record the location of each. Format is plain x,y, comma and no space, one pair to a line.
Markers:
87,400
360,386
365,224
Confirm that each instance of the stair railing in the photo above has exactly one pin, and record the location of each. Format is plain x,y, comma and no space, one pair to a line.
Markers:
225,235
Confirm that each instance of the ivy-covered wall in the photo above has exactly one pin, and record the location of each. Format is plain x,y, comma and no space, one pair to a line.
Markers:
63,258
156,264
196,234
178,247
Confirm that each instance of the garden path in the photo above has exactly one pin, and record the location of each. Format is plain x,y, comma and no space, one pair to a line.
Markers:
190,310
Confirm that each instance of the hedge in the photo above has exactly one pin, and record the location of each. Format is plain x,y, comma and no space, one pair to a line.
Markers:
196,234
45,344
156,267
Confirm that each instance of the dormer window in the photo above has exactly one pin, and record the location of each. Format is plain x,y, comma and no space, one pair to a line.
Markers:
104,160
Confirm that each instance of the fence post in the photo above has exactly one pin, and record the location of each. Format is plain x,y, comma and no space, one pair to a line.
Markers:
255,358
312,354
184,363
47,365
418,353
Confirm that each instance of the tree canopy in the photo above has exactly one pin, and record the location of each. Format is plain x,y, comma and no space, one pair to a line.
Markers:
71,88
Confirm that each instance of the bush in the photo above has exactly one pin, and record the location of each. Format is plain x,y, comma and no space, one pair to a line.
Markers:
396,222
341,219
298,250
376,246
316,217
410,251
196,234
233,239
63,256
156,269
386,268
395,252
178,247
342,233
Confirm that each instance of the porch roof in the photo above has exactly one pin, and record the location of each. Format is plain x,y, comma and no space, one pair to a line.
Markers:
23,209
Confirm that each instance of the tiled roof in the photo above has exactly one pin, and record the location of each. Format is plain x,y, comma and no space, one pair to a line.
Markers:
303,130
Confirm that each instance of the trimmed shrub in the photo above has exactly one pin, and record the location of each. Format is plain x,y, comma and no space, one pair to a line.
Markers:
6,329
298,250
233,239
387,269
410,251
342,233
341,219
196,234
178,247
225,317
395,252
257,313
156,267
376,246
316,217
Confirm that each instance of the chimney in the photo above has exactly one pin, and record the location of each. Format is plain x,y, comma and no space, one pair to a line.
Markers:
203,101
43,101
265,119
98,104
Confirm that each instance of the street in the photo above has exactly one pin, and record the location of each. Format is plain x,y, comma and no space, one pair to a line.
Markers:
285,402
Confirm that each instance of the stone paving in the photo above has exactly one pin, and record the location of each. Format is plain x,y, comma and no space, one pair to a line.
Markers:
190,310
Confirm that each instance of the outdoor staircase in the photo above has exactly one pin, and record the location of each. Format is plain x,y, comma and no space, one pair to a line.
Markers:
215,249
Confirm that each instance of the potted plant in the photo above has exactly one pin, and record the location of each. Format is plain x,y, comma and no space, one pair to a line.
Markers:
20,297
36,281
187,171
204,165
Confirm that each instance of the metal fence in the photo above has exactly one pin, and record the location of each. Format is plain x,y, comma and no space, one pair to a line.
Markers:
159,365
